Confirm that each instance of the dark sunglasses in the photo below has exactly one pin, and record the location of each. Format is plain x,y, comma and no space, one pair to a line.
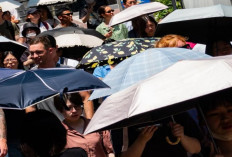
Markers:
110,11
68,14
132,2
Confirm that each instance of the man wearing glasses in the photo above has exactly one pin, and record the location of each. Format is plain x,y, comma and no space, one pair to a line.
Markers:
65,17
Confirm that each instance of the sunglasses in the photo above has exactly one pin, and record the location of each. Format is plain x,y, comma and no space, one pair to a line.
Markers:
132,2
110,11
68,14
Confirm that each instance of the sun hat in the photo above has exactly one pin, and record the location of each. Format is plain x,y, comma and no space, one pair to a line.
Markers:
31,26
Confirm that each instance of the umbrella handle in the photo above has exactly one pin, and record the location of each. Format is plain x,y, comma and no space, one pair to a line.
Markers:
172,143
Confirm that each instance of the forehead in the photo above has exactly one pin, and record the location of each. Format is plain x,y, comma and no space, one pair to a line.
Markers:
10,56
66,11
107,8
37,47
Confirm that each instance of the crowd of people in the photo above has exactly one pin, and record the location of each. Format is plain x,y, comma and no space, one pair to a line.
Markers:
35,132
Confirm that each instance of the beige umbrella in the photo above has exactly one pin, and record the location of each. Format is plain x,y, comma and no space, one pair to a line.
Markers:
33,3
9,5
135,11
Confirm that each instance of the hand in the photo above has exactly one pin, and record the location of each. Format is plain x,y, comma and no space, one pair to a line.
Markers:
147,133
3,147
109,34
177,130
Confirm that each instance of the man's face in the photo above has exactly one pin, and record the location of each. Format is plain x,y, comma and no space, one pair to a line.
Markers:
39,54
66,16
129,3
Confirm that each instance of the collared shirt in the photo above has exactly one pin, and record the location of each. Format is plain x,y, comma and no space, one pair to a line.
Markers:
96,144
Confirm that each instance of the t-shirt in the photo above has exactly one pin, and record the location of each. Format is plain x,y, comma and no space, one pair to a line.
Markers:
8,30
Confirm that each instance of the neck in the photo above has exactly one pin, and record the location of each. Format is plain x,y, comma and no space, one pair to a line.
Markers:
47,65
225,146
1,20
107,21
74,124
66,24
35,22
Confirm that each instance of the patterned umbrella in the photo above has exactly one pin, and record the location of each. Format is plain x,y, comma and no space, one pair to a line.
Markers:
115,51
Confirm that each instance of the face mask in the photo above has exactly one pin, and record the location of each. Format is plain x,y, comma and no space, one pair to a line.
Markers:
31,35
222,137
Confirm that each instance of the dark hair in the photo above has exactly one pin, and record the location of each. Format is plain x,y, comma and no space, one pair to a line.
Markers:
209,46
49,14
124,1
212,101
47,40
101,10
75,98
16,55
6,12
42,134
139,25
61,10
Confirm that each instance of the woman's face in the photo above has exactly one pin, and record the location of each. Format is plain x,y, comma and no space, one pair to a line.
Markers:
220,120
150,29
109,13
74,112
10,62
34,16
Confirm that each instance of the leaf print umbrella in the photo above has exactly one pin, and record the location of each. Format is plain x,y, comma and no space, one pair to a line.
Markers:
113,52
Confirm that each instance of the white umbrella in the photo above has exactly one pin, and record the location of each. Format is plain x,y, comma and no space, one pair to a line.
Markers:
33,3
9,5
169,92
135,11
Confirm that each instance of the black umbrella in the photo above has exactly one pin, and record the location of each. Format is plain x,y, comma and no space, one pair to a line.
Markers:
75,41
200,25
10,45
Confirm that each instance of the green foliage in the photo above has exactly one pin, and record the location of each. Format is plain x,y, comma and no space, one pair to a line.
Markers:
161,14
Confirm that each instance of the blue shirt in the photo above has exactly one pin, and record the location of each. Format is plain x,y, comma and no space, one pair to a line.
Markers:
101,71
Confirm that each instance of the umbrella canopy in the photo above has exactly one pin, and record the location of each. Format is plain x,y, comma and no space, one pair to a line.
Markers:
29,87
117,50
10,45
135,11
5,72
9,5
166,93
142,66
75,41
33,3
198,24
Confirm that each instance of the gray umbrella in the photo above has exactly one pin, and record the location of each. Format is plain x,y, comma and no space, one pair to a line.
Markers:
198,24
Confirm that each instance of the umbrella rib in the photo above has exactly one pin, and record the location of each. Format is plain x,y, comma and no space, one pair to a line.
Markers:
44,82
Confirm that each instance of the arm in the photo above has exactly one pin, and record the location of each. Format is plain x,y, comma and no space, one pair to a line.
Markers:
3,141
190,144
136,149
88,105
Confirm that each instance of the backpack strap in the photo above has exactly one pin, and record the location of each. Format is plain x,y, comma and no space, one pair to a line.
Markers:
46,25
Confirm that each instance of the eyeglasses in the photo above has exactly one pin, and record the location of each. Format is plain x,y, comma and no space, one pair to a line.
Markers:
110,11
132,2
9,60
68,14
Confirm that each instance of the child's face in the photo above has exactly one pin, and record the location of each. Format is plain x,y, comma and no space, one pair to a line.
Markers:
220,120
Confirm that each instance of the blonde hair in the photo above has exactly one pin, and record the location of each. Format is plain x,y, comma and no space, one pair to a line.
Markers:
170,40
